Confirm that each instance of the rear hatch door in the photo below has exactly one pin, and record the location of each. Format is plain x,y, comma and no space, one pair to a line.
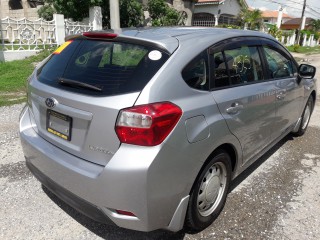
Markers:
76,95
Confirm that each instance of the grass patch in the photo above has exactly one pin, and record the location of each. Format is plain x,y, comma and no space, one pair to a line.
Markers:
13,78
7,99
305,50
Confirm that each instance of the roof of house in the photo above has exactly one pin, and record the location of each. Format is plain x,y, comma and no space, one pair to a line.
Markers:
296,21
273,14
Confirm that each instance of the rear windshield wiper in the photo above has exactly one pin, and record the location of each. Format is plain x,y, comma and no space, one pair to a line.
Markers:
74,83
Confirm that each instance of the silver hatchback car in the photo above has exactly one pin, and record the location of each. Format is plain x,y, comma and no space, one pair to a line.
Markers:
147,128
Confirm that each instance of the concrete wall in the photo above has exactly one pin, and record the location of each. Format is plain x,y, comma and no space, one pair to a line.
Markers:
231,7
7,56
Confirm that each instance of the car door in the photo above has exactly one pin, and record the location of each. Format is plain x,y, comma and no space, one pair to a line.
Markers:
289,93
245,100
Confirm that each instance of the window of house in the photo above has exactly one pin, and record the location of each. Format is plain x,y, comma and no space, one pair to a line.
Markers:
33,3
15,4
278,65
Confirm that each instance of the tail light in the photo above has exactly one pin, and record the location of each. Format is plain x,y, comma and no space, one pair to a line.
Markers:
126,213
147,125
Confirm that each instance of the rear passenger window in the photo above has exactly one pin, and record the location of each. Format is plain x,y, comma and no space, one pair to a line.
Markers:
195,74
221,76
278,65
237,66
244,65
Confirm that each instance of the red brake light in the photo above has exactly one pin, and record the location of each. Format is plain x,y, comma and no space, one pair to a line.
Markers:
100,35
121,212
147,125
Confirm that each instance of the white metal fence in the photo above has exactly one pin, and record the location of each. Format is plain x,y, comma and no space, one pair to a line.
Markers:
23,34
23,37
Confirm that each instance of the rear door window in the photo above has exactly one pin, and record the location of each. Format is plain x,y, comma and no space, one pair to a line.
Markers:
112,68
221,75
237,66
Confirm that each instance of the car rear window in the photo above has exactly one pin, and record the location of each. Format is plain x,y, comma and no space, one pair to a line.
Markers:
108,68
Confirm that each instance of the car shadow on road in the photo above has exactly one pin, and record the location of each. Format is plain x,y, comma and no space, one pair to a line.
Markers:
116,233
108,231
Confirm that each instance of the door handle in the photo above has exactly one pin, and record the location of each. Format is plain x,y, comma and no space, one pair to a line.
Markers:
235,108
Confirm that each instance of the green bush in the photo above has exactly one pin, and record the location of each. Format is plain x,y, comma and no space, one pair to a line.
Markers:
296,47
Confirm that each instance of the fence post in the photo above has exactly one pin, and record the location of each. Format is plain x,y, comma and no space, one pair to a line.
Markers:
311,40
294,38
1,43
60,28
95,18
304,40
216,20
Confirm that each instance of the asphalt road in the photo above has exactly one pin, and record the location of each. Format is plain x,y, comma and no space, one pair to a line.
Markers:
277,198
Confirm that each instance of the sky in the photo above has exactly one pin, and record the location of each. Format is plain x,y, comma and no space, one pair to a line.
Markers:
292,7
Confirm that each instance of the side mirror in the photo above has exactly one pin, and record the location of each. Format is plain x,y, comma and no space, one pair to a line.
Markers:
306,71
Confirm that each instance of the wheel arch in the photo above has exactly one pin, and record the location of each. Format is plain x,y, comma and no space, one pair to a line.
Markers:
228,148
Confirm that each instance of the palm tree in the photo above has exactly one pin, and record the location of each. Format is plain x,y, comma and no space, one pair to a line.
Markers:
251,18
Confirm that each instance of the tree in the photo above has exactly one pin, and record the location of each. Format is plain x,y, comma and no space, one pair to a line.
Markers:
162,14
131,11
253,18
46,12
315,24
275,31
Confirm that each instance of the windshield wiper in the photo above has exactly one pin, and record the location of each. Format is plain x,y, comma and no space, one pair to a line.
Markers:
74,83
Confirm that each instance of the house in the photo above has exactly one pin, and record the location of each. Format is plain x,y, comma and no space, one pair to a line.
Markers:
271,16
20,8
294,23
214,12
185,7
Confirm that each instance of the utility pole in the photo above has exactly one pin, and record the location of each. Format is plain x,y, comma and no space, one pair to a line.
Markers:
279,19
301,20
114,14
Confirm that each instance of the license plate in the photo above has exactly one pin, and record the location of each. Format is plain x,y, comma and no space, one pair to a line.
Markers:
59,124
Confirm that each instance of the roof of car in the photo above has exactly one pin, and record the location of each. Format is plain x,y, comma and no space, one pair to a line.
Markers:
170,38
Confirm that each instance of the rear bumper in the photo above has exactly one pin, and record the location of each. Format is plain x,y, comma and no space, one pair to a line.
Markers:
125,183
74,201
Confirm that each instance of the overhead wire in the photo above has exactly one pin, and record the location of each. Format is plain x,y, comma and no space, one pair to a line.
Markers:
310,10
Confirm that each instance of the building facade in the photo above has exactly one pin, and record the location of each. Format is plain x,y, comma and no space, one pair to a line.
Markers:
20,8
210,13
271,16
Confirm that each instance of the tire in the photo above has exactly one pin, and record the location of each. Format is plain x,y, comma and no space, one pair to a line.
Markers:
305,118
209,192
